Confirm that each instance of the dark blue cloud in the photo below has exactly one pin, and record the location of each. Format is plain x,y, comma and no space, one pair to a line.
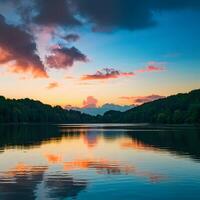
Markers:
113,14
128,14
53,12
104,15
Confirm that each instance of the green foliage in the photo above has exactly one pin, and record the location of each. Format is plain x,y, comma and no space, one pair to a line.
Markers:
180,108
30,111
177,109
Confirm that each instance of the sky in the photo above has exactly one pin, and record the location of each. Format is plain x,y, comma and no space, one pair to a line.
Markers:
92,52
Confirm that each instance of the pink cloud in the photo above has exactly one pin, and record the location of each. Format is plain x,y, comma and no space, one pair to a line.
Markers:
138,100
153,67
17,64
52,85
64,57
90,102
18,51
111,73
107,73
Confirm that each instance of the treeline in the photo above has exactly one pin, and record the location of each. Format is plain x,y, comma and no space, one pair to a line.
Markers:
30,111
180,108
176,109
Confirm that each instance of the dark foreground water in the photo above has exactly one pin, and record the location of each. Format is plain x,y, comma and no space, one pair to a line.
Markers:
95,162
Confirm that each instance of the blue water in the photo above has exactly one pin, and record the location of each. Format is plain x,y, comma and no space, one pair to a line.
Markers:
99,161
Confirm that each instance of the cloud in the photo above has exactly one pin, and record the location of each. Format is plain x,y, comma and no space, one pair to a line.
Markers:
107,15
138,100
18,50
107,73
71,37
116,14
104,15
64,57
52,85
90,102
111,73
53,12
152,67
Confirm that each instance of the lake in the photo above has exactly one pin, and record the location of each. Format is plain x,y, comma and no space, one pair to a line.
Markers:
99,161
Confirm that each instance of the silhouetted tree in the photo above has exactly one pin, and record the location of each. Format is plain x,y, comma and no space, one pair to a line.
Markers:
180,108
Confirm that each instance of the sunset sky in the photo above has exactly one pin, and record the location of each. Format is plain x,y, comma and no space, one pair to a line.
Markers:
112,51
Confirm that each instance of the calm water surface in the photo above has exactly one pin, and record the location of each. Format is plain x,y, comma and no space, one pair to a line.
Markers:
93,162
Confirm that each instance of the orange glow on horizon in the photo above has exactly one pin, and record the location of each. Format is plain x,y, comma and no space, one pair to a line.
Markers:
52,158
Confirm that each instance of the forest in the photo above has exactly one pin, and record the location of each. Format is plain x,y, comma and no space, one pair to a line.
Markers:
30,111
176,109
